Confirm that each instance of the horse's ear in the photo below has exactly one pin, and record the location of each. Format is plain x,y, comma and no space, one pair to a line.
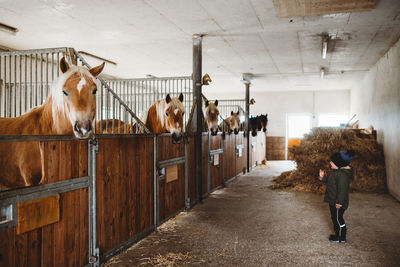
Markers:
216,103
206,103
64,66
232,112
97,70
180,97
168,98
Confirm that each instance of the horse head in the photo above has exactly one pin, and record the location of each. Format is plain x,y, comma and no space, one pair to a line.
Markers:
74,99
211,116
234,122
264,122
173,117
253,123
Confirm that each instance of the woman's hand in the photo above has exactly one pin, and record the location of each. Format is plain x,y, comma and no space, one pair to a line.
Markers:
338,206
321,174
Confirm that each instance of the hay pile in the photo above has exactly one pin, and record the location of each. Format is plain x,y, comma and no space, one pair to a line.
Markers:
313,154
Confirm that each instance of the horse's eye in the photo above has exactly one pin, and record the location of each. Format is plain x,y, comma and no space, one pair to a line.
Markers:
231,120
94,91
65,93
166,114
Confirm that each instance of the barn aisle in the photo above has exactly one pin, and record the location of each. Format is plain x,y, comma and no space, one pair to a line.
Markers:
247,224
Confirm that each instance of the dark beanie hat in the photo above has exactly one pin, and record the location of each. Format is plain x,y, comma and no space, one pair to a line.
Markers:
342,158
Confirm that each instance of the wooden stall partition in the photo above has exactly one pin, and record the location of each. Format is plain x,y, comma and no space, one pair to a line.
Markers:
192,184
124,190
171,194
64,243
261,151
229,156
253,150
216,164
241,153
205,163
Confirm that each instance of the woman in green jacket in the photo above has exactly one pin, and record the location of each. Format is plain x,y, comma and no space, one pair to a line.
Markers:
337,191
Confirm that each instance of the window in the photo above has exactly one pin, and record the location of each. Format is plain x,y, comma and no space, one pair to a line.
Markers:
298,125
332,120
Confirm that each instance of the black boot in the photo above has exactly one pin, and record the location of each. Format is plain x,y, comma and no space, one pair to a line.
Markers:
343,236
340,237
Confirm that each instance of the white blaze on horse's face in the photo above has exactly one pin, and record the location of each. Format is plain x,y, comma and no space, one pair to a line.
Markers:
211,118
79,97
234,122
80,100
173,119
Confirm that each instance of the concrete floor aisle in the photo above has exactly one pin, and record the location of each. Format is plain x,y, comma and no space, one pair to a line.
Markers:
248,224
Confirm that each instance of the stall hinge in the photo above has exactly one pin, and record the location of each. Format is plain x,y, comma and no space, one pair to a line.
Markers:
94,259
94,142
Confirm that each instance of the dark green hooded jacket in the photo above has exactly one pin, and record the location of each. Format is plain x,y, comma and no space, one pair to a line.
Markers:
337,186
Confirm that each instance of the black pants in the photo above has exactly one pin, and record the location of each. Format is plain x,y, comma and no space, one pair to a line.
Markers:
338,222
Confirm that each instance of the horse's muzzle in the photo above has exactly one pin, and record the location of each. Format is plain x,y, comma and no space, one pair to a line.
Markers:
264,130
83,130
214,132
176,138
236,131
254,133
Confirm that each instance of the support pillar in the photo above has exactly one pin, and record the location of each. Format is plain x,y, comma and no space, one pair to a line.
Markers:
197,90
247,84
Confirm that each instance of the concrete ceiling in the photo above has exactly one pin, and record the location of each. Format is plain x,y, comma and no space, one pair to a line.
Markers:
241,36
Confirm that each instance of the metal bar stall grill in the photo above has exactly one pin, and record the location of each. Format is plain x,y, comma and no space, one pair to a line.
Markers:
139,94
226,106
26,77
114,115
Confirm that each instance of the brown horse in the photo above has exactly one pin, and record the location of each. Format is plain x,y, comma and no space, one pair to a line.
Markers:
263,122
69,109
119,127
211,116
233,121
166,116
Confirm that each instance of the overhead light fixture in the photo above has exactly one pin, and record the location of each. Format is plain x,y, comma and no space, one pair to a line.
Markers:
324,46
8,28
322,73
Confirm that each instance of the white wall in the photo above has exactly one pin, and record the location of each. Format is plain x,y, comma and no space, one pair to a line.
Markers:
278,104
376,101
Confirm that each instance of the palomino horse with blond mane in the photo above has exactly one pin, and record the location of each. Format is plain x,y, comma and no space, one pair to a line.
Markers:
114,126
166,116
69,109
233,121
211,114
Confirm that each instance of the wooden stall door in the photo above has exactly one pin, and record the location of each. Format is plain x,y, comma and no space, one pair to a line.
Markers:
241,154
124,189
253,150
171,194
261,147
64,243
216,164
229,156
192,184
205,163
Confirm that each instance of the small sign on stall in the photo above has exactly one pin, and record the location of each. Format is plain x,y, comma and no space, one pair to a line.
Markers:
240,153
38,213
216,159
171,173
